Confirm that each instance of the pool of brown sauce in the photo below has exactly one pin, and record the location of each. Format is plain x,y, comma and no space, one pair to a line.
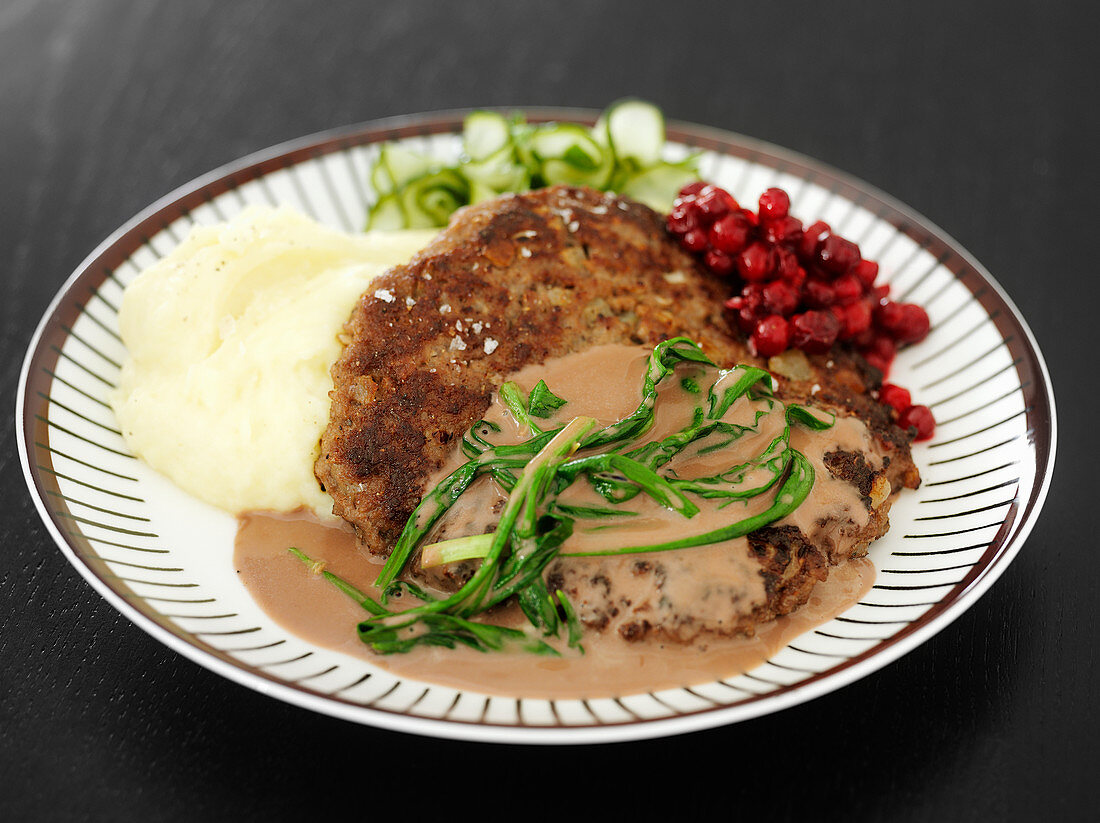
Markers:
307,605
602,383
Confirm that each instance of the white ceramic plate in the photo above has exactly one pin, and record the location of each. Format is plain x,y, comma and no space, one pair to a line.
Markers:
165,560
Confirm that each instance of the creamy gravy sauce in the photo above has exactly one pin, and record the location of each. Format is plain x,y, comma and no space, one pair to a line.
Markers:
604,383
307,605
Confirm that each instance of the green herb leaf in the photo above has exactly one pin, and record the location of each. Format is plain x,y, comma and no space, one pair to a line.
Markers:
794,490
368,603
542,402
571,621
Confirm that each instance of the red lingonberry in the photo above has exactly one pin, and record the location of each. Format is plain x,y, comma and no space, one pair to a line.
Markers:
780,297
883,346
683,218
747,319
771,336
781,230
914,325
692,189
895,396
812,235
739,314
730,234
867,271
848,289
880,353
756,262
836,255
694,240
818,294
774,203
786,265
855,320
905,322
862,339
749,307
718,262
753,290
814,331
920,418
712,203
887,314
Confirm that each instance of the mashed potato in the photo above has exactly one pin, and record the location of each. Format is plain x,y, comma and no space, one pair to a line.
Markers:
231,337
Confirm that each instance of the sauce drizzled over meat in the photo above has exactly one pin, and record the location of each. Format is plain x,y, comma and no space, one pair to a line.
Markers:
724,588
653,620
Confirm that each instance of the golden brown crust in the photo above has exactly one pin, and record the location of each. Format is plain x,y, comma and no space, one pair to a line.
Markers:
791,567
510,283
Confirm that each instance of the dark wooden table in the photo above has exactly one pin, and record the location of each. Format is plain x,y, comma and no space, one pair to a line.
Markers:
982,117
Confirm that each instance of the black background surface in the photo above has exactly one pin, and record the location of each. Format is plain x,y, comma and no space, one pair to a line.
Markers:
981,116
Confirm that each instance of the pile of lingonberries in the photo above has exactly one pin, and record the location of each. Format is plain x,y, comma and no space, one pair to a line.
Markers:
802,287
